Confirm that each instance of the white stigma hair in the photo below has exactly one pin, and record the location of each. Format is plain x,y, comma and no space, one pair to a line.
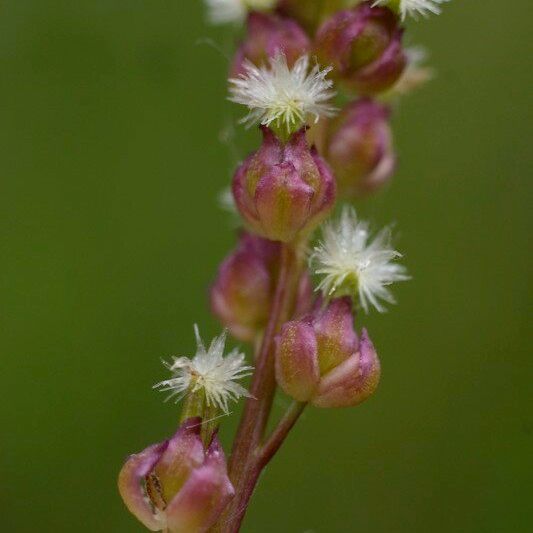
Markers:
353,264
414,8
209,371
283,96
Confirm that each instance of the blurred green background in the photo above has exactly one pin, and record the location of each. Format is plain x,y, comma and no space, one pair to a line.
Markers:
111,120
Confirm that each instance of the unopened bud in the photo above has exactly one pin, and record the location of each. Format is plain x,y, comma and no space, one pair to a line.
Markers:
267,36
284,190
319,359
364,45
242,292
359,148
177,486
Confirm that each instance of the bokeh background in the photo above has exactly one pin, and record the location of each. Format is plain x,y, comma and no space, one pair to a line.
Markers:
115,141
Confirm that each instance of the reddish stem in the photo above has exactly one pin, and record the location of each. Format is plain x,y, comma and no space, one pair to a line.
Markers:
246,461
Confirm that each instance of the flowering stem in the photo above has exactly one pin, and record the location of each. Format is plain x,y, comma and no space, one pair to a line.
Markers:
246,460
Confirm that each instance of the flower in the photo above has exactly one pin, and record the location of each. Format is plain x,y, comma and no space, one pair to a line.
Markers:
268,34
359,148
352,265
177,485
283,96
320,358
208,371
413,8
364,46
242,293
284,190
227,11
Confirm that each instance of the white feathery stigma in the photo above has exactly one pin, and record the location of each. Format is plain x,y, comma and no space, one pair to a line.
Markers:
414,8
416,73
209,371
234,11
353,264
281,95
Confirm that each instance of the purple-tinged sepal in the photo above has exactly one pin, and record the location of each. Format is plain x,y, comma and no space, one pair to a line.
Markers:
130,485
353,381
335,334
297,365
359,148
284,190
177,486
267,36
364,45
203,497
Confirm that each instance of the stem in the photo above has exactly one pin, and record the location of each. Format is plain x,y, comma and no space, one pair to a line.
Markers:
277,437
245,464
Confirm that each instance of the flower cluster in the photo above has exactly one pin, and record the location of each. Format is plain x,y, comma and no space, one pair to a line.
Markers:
317,78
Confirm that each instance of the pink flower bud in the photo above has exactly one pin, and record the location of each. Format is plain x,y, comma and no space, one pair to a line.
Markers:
177,486
267,36
284,189
320,359
364,45
242,293
359,148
